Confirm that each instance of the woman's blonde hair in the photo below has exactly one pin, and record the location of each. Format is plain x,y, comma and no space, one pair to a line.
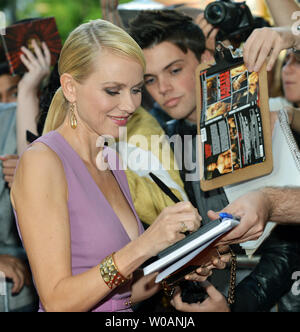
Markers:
78,55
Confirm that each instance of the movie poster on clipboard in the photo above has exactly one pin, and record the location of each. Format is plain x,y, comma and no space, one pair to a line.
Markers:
233,123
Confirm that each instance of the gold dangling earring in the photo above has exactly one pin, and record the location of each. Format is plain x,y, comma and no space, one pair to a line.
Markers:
73,120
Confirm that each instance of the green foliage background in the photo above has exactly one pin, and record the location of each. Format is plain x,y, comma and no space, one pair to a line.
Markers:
68,13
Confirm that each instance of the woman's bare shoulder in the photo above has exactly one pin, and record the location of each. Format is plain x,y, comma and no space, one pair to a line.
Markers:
38,155
40,173
39,164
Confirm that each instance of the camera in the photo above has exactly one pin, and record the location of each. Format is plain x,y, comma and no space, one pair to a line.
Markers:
234,20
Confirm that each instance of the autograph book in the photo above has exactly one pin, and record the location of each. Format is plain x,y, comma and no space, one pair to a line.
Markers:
23,33
182,253
233,122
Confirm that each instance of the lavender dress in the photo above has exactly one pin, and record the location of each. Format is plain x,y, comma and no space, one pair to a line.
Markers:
96,231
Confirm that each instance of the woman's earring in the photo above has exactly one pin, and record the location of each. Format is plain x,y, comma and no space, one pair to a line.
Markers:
73,120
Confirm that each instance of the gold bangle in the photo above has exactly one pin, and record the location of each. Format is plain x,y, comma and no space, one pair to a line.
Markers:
110,273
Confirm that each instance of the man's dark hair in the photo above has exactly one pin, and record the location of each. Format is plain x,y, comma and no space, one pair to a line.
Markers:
150,28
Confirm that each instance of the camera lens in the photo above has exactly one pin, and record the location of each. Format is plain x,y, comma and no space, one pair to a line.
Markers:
231,18
215,13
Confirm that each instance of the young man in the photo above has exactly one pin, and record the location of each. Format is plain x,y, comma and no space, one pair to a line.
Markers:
174,46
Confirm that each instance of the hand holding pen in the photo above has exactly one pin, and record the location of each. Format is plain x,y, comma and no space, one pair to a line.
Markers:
223,249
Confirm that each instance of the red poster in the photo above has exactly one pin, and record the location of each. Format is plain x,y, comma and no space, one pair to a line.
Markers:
22,34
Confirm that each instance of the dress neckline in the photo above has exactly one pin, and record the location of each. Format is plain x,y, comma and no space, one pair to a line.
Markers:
89,176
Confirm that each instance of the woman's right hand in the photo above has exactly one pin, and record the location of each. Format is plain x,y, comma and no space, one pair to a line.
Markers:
167,228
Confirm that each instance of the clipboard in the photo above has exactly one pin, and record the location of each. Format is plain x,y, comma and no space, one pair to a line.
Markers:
233,121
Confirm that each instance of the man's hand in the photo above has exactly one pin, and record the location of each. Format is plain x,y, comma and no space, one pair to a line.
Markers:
209,31
254,209
266,44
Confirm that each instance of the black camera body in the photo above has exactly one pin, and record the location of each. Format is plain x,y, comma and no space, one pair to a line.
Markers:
234,20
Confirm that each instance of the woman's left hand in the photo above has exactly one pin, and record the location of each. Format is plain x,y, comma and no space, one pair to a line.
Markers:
218,262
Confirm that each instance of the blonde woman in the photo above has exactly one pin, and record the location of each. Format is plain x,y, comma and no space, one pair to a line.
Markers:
74,209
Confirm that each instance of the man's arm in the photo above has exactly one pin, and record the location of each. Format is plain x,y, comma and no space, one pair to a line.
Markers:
282,11
256,208
284,204
110,12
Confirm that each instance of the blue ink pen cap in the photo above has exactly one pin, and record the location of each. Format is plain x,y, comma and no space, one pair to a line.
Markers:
226,215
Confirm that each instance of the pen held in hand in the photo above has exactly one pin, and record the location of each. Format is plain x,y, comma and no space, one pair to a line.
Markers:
164,188
167,191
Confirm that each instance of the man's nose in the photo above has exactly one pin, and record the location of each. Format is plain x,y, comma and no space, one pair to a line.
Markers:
164,86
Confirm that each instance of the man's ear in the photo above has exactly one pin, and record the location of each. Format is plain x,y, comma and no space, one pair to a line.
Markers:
68,86
207,57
